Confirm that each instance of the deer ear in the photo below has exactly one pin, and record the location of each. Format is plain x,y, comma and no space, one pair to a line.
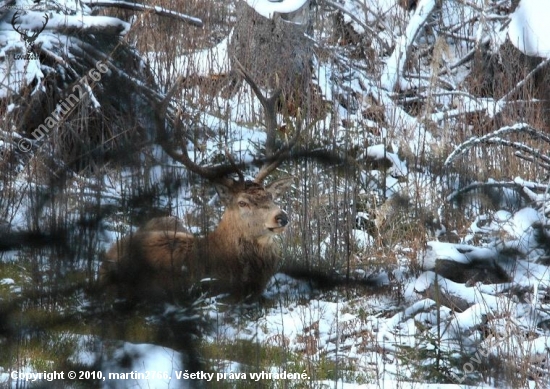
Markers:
278,187
224,192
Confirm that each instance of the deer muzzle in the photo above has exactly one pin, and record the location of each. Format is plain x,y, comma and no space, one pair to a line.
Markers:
281,219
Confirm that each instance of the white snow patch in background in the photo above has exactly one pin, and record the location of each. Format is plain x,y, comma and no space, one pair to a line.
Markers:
267,8
378,152
521,221
144,358
283,285
203,63
362,239
460,253
391,75
529,28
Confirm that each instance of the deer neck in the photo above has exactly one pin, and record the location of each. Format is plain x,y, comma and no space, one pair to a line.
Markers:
228,241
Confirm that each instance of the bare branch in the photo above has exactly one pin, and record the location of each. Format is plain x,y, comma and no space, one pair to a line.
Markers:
520,84
146,8
391,74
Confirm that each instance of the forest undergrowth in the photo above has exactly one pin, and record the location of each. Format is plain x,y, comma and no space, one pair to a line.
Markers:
418,248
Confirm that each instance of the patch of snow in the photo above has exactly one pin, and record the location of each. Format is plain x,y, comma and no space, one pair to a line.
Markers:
283,285
529,29
267,8
211,61
378,152
521,221
362,239
460,253
143,359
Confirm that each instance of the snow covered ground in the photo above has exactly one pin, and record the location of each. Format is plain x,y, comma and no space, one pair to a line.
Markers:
470,314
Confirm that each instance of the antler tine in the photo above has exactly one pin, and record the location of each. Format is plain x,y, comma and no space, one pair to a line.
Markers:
47,19
232,162
213,173
14,21
273,159
265,171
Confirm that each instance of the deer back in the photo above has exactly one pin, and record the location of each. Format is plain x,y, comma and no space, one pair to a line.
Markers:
144,265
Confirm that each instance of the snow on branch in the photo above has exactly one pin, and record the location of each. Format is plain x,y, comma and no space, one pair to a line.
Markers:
520,84
491,184
142,7
465,58
391,73
268,8
373,34
72,24
521,147
531,184
494,138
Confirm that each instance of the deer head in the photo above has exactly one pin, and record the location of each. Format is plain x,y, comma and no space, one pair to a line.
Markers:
251,208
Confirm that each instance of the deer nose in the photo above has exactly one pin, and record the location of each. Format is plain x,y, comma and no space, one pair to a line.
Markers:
281,219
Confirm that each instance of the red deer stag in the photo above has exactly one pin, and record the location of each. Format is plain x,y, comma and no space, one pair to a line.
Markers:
238,257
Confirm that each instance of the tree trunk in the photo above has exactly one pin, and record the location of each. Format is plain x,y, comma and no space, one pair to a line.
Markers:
275,52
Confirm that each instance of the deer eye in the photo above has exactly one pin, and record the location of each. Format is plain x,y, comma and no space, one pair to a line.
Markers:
243,204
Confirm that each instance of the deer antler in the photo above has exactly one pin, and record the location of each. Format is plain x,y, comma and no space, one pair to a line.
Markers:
14,19
216,173
23,32
35,35
273,159
234,164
